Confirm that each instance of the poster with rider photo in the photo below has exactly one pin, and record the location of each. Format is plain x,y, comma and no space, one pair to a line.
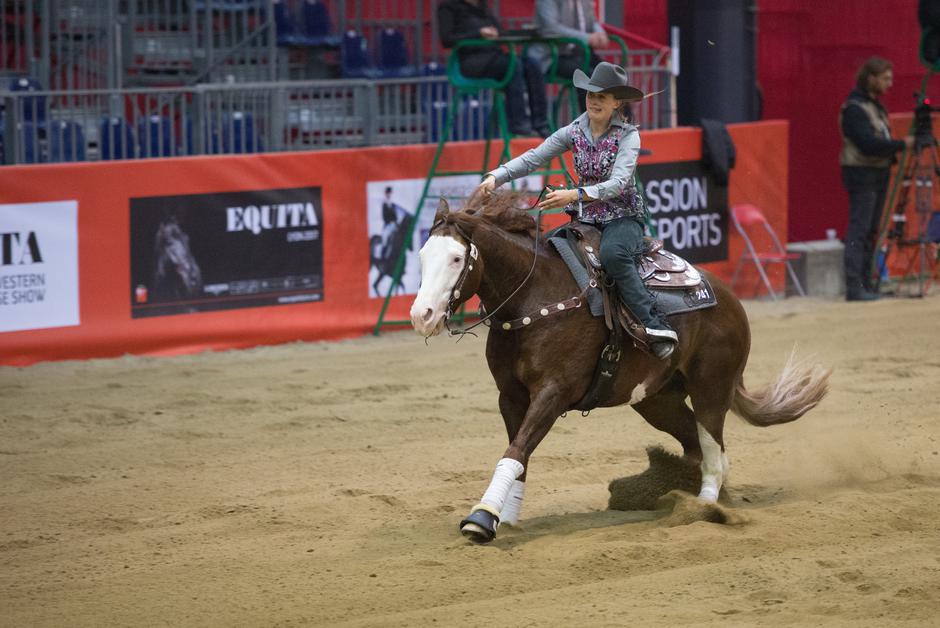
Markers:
391,210
688,209
203,252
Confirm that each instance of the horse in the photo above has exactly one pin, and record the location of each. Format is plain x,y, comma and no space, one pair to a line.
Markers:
177,275
545,367
385,251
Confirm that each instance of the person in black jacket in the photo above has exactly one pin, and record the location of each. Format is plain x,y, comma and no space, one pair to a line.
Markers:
866,157
471,19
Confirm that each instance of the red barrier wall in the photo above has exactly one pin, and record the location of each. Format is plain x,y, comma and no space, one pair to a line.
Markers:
103,190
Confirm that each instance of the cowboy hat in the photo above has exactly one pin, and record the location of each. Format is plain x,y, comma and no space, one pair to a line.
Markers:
607,78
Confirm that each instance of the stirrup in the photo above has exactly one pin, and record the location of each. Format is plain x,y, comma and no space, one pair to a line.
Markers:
662,334
662,349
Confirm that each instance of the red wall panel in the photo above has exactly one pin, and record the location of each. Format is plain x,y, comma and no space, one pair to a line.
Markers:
808,53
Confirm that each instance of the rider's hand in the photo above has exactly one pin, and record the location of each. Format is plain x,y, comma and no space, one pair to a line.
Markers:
598,41
557,199
908,141
489,32
486,187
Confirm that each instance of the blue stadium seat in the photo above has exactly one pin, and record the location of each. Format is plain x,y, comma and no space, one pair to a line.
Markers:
34,108
472,113
287,29
317,27
393,54
187,145
66,141
116,140
228,5
355,57
29,138
155,135
238,133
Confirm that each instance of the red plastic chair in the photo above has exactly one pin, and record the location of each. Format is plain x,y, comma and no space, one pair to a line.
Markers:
748,218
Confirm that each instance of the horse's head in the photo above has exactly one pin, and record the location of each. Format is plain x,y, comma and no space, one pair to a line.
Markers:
174,255
451,270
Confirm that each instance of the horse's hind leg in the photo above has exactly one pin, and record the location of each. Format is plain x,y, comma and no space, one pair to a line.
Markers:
711,399
668,412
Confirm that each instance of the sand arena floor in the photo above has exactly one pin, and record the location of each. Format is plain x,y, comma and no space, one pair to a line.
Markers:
321,485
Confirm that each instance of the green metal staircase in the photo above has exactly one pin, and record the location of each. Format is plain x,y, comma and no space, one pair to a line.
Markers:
464,86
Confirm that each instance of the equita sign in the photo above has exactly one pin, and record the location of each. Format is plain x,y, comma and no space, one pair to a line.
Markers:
38,265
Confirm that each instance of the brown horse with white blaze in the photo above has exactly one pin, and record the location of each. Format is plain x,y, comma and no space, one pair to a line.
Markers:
492,249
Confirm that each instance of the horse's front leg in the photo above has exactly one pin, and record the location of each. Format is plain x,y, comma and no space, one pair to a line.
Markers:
544,408
513,403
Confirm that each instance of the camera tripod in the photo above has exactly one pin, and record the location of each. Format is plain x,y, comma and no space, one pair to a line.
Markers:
918,169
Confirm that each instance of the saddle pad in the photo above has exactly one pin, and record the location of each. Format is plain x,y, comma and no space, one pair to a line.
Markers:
667,300
595,300
672,301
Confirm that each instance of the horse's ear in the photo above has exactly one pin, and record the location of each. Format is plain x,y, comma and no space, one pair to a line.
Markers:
442,210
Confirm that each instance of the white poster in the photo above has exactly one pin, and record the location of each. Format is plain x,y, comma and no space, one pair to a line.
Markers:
38,265
391,210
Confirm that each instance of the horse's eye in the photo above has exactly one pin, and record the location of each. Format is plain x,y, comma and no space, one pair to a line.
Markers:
457,260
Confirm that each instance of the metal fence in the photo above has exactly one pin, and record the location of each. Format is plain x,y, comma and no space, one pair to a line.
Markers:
223,118
81,79
91,44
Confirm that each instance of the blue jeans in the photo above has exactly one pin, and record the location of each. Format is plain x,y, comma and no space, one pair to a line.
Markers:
527,79
867,189
621,245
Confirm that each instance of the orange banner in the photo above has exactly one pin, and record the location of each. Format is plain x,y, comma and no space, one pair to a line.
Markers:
103,194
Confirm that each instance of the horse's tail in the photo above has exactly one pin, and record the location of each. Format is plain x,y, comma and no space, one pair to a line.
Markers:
797,390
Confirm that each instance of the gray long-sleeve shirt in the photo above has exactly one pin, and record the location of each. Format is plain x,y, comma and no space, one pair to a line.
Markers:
555,19
621,176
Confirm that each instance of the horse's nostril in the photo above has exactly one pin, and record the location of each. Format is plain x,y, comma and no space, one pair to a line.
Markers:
428,313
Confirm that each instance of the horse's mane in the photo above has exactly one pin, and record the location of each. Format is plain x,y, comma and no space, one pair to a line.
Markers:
501,209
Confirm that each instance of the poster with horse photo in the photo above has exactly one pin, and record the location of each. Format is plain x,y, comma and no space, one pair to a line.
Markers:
391,211
203,252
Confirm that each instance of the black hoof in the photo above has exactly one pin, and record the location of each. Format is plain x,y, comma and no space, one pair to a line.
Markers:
480,526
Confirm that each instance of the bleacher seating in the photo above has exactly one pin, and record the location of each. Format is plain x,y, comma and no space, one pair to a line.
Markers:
29,136
288,33
155,135
393,59
238,133
317,26
116,139
472,113
355,57
66,141
33,108
313,29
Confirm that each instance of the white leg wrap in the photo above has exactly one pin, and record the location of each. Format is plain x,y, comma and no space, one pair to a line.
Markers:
507,470
712,468
513,505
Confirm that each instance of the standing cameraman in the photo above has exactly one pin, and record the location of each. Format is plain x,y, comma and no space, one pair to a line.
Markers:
867,154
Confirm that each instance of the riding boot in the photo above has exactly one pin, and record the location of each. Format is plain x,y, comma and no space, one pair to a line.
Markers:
621,244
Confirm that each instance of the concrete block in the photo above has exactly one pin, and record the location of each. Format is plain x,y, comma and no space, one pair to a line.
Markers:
819,268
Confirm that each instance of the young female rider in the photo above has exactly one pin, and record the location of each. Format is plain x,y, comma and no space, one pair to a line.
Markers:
605,147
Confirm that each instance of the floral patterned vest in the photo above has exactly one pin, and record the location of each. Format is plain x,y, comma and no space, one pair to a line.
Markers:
594,164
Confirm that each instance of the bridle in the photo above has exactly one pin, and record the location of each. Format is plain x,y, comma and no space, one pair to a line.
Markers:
472,254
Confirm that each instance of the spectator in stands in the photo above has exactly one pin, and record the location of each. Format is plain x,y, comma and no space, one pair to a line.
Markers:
471,19
605,146
568,18
867,154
